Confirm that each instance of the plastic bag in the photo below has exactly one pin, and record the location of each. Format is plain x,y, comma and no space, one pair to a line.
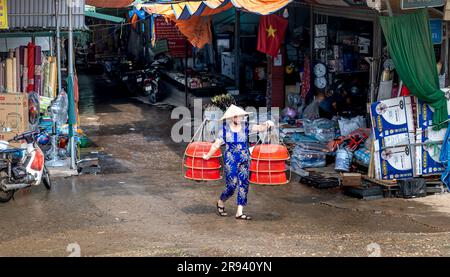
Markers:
311,111
305,158
59,109
362,156
313,146
321,129
349,125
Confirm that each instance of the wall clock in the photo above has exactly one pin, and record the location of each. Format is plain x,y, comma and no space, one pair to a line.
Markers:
320,70
320,82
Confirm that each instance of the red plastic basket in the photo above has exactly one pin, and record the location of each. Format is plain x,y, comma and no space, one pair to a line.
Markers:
198,148
271,152
203,174
200,163
268,178
267,166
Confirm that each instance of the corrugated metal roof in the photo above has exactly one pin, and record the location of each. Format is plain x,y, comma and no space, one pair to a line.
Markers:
110,3
23,14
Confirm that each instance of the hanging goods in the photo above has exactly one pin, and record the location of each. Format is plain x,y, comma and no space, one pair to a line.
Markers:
31,69
2,76
22,54
9,75
268,164
25,70
14,75
343,160
18,71
196,168
38,70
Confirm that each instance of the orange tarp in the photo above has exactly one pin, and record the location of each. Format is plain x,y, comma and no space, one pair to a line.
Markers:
197,26
196,29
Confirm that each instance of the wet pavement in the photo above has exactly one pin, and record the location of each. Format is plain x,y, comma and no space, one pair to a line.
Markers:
142,206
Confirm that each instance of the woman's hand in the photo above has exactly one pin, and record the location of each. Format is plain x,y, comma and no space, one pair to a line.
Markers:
206,157
270,124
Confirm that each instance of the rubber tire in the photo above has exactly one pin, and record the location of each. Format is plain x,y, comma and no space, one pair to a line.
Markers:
6,196
152,96
46,179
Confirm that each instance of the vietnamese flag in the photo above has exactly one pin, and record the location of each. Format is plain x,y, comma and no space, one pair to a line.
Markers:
271,33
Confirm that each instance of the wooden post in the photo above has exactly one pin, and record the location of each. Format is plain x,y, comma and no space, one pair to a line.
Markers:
237,37
186,89
388,4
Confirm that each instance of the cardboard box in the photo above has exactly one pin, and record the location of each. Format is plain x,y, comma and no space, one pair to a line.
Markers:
401,139
429,151
394,163
13,115
14,112
351,179
392,116
393,123
428,159
425,114
427,155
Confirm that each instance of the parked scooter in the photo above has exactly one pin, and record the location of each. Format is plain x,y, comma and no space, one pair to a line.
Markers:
152,83
20,168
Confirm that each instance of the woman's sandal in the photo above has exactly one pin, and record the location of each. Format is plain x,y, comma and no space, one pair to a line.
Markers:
221,210
243,217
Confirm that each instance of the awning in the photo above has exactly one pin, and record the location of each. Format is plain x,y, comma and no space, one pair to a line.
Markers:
185,9
103,16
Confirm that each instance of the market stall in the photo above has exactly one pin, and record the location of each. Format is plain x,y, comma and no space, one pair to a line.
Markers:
31,81
394,141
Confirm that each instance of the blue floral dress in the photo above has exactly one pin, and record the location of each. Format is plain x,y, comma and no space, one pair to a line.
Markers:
236,160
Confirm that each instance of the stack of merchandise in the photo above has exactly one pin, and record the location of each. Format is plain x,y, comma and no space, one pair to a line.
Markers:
394,135
309,155
403,149
429,151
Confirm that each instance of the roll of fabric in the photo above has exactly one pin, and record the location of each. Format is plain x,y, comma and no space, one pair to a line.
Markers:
31,49
42,75
38,70
25,70
14,74
53,77
46,78
18,82
9,75
21,64
2,76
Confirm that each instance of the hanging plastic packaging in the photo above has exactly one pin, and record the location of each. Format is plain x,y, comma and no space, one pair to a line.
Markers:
59,109
305,158
321,129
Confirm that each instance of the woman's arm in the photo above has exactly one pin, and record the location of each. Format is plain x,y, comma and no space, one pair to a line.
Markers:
216,145
262,127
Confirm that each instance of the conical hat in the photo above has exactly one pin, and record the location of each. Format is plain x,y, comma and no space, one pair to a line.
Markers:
233,111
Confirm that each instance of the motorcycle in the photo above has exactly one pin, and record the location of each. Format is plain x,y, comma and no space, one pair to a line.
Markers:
152,85
20,168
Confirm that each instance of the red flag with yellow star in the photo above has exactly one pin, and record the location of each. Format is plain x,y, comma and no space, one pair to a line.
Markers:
271,33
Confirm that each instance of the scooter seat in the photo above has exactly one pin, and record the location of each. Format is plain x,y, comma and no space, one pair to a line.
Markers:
10,151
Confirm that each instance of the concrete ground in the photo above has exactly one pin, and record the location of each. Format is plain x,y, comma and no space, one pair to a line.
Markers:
142,206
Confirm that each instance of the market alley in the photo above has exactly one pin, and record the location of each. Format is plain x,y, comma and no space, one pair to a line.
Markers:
140,205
